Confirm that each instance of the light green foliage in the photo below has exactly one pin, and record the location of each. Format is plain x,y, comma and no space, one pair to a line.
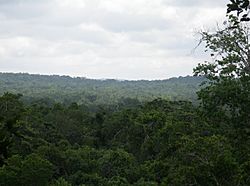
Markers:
93,92
117,181
142,182
60,182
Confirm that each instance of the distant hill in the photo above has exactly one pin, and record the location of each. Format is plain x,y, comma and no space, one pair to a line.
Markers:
66,89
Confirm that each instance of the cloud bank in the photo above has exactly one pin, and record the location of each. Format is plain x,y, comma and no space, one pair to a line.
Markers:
139,39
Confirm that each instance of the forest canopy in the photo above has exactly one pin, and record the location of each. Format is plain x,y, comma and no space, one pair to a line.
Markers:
65,89
147,139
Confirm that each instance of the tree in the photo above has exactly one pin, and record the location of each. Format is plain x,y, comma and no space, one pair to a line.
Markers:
11,110
204,161
33,170
117,163
225,100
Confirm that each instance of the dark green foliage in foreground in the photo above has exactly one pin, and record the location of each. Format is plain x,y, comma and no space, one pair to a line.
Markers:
156,143
11,110
65,89
241,7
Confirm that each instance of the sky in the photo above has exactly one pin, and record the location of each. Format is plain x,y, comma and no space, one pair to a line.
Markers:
105,39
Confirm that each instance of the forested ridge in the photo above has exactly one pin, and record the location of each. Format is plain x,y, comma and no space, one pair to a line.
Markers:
66,89
129,139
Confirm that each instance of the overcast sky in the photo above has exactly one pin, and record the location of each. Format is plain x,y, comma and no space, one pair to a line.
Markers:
124,39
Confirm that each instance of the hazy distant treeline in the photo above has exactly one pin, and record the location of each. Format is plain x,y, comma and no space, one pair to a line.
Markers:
66,89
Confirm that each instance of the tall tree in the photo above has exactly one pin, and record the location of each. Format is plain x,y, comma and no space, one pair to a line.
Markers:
226,99
11,109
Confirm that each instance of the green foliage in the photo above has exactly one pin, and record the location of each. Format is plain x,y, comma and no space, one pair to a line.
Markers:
239,6
60,182
225,101
117,163
64,89
204,161
156,143
105,133
142,182
11,110
118,181
32,169
230,47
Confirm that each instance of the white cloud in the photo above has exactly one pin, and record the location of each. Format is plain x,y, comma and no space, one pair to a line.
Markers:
139,39
71,4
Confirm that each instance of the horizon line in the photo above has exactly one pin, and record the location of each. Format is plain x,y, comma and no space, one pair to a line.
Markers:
89,78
